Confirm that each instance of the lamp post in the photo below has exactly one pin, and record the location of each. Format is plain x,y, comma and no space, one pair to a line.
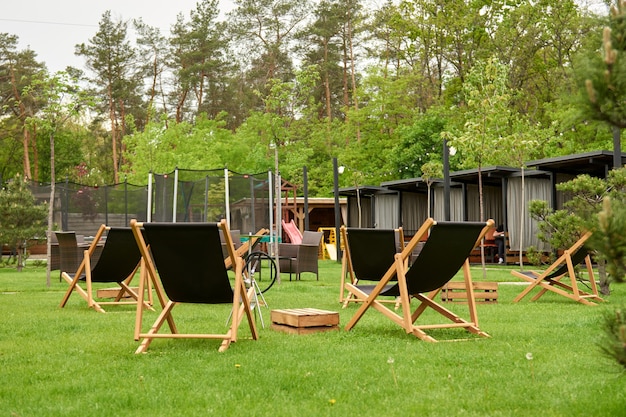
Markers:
337,208
446,180
447,152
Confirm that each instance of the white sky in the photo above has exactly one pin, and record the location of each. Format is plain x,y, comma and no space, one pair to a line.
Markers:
52,28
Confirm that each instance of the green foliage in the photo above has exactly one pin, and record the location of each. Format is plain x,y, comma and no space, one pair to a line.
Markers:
610,240
536,257
166,145
614,343
419,144
560,228
487,114
20,218
369,89
605,81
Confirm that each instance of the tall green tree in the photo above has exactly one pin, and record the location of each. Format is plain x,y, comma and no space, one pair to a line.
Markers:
321,45
152,46
17,68
605,77
197,52
264,32
62,100
115,79
21,219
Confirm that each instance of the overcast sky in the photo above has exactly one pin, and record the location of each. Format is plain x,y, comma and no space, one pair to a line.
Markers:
51,28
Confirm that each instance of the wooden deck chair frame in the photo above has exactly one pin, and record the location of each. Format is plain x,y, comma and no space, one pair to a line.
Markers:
84,271
348,273
564,266
242,250
407,318
240,298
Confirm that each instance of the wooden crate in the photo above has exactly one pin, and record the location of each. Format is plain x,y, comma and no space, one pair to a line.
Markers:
304,320
484,292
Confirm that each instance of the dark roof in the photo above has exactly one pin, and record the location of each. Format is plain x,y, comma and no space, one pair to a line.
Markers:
365,190
413,185
596,163
490,175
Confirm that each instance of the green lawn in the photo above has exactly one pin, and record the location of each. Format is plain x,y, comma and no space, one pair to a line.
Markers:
542,359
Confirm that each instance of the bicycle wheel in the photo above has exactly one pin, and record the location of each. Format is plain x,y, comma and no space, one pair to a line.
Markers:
261,268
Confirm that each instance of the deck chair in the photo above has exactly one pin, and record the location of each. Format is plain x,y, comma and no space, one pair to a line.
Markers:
116,262
191,269
367,255
550,279
444,253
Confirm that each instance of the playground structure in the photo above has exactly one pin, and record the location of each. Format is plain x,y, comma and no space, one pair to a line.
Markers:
292,232
328,245
328,248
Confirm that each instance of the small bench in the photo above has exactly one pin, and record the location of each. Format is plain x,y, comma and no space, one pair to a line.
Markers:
304,320
484,292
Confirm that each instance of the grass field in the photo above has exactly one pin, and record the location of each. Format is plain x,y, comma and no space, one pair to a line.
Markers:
542,359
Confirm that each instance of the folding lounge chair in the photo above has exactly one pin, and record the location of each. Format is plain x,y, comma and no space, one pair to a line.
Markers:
117,262
191,268
550,279
367,256
444,253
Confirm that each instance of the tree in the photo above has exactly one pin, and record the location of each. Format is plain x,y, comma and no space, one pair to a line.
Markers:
264,31
605,77
609,240
197,55
322,48
420,143
20,218
116,79
430,171
16,70
152,45
561,228
521,145
487,117
61,100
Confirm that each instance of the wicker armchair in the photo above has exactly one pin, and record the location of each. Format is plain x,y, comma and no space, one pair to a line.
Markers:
236,235
69,255
303,257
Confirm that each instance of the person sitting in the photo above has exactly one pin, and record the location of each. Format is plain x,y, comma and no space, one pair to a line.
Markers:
500,238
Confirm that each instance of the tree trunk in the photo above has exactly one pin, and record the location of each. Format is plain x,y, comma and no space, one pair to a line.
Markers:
50,210
604,279
113,133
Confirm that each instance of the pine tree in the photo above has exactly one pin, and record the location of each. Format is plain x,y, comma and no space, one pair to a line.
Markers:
20,218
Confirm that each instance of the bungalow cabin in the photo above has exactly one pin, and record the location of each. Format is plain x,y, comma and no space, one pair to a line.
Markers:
564,168
320,212
501,191
502,202
371,206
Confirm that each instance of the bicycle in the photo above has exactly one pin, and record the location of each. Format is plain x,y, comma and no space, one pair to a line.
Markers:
256,262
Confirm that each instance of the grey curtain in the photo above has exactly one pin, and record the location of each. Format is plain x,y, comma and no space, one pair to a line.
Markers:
386,213
534,189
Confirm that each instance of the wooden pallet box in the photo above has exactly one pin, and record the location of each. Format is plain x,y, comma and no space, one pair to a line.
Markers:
484,292
304,320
